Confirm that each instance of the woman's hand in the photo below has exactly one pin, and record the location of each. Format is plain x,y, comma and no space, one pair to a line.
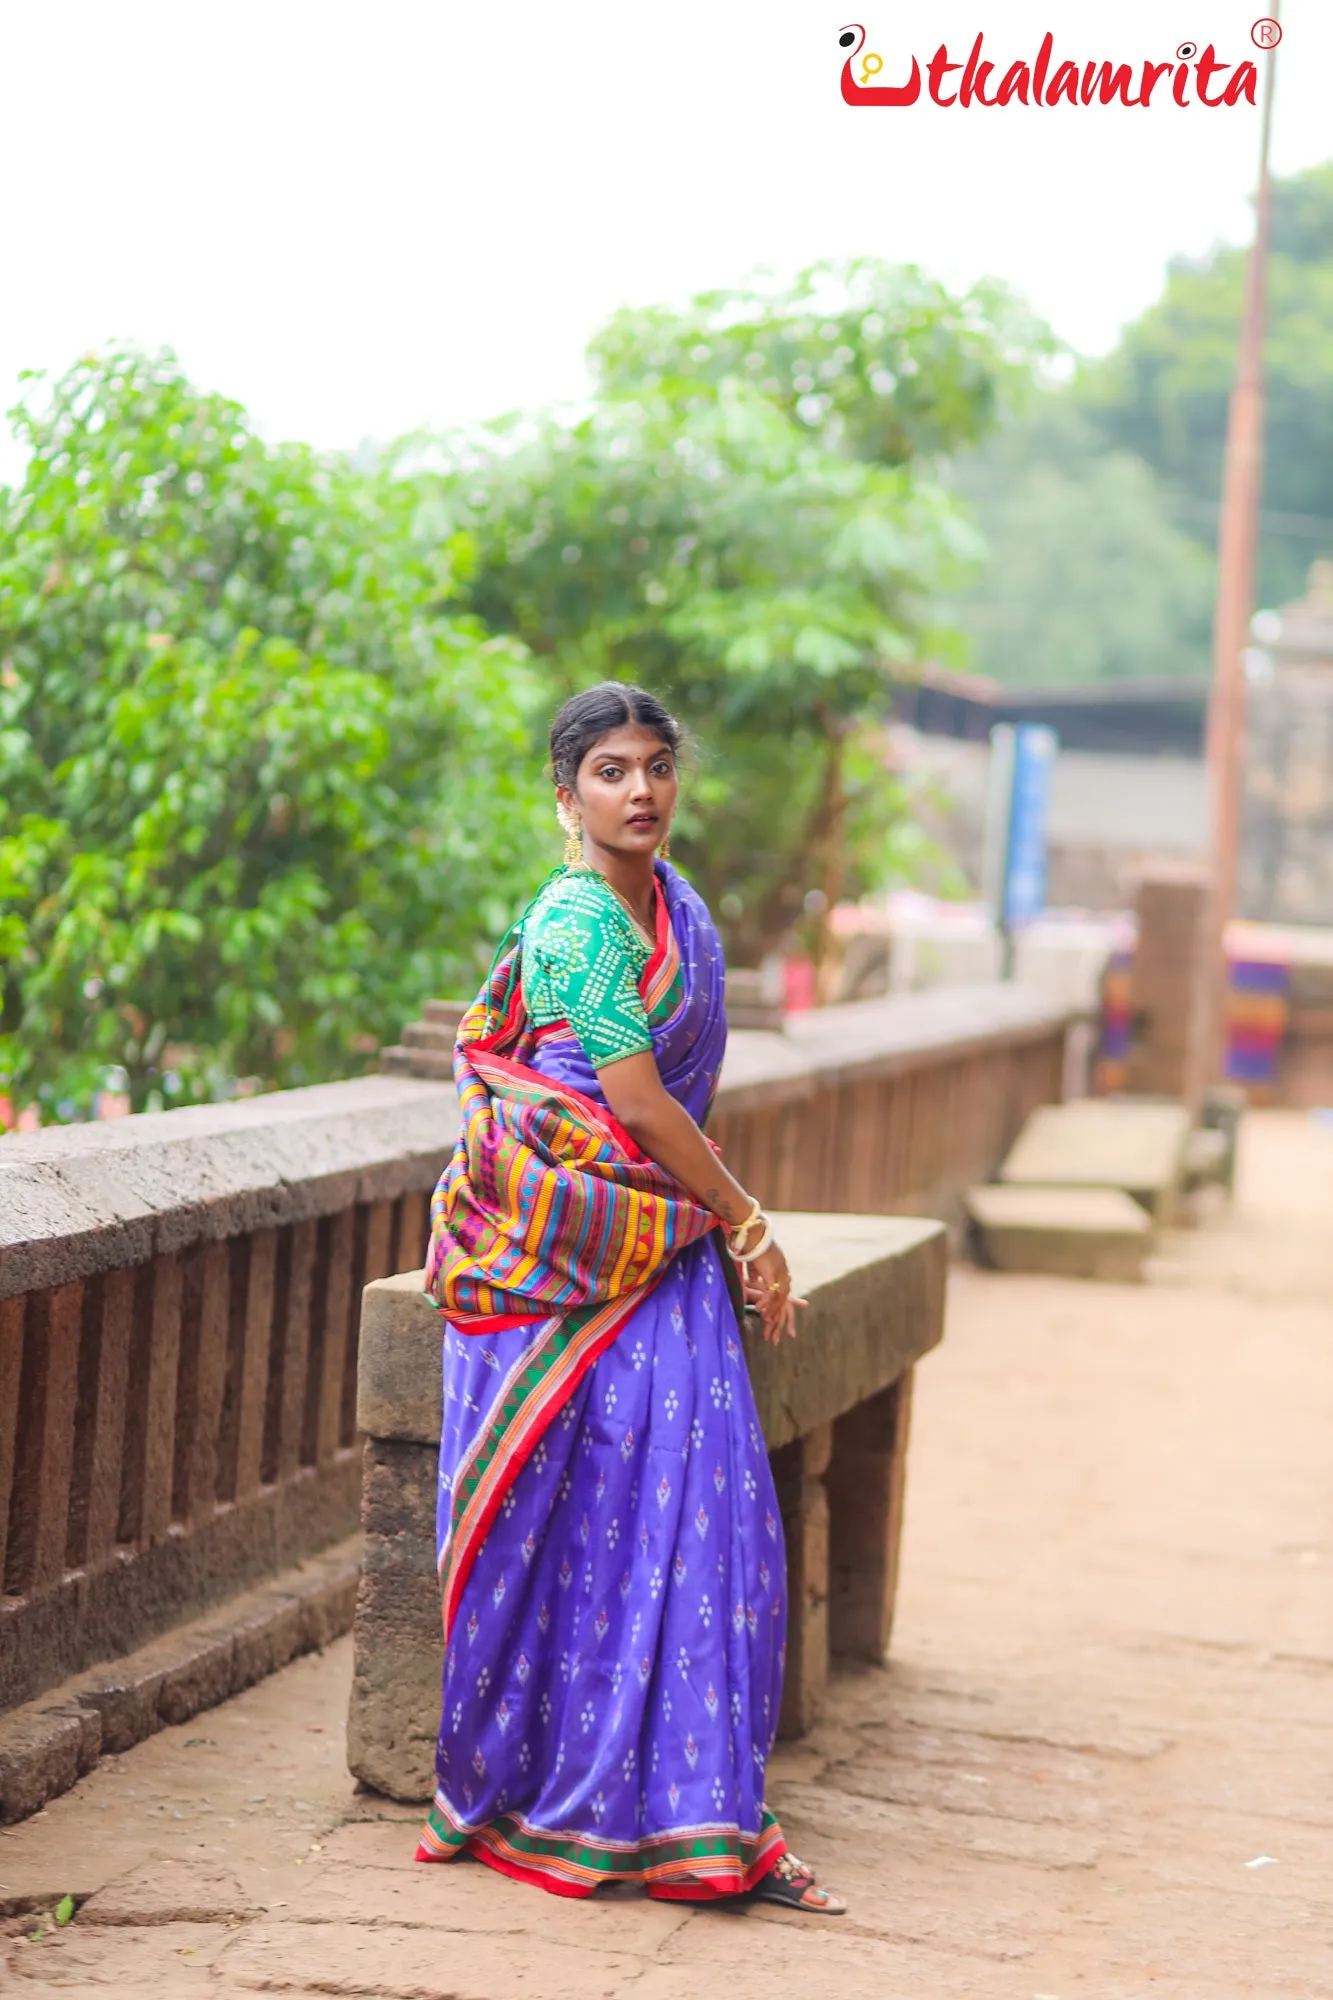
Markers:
766,1282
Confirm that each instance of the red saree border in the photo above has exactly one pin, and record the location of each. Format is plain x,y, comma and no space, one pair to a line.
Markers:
696,1864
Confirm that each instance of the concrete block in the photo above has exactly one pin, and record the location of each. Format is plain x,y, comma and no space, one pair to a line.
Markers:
399,1389
875,1286
43,1751
1070,1232
1094,1142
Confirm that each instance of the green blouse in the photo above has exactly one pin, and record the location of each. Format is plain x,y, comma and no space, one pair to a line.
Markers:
582,962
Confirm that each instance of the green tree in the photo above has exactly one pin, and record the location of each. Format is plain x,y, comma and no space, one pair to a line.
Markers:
746,519
1163,391
1087,577
261,787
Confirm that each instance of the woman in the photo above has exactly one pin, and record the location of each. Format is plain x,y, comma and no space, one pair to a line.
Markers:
611,1553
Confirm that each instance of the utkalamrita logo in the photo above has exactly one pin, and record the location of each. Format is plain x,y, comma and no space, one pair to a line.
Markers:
1195,76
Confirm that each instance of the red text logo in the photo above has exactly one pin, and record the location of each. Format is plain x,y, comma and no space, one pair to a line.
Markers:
1194,76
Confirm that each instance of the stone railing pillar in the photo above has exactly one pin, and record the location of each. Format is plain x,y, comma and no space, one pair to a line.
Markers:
798,1474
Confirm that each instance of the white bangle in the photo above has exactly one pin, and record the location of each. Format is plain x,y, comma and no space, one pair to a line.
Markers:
746,1258
736,1237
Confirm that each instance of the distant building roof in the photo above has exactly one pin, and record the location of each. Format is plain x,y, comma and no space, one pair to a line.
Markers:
1148,718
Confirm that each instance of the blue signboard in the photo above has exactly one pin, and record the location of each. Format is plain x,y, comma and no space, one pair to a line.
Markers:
1024,888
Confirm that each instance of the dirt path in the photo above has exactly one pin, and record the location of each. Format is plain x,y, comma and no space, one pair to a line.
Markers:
1111,1695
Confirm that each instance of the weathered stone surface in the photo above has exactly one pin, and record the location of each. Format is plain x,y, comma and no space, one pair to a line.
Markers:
394,1712
82,1198
46,1745
43,1751
170,1892
398,1388
866,1483
1096,1143
875,1291
875,1286
1071,1232
125,1696
798,1474
118,1606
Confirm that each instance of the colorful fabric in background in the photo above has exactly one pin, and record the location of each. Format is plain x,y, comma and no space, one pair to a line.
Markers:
1258,1007
1116,1025
1258,1012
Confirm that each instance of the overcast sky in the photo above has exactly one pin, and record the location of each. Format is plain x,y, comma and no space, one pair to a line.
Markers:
360,218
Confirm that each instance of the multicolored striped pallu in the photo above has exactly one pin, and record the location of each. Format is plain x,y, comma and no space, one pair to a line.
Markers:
548,1204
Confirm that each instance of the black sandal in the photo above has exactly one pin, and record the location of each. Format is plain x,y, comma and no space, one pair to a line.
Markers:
792,1884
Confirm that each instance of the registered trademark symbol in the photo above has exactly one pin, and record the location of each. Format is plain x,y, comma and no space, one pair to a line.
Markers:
1266,33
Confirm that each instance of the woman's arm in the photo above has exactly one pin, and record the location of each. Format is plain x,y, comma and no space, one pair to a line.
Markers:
669,1135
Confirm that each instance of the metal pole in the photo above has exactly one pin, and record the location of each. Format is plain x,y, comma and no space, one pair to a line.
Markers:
1236,563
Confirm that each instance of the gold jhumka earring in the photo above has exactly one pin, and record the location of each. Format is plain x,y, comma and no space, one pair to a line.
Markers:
665,849
573,829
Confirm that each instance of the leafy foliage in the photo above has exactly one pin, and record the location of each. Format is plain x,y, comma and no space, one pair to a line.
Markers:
1163,392
746,519
877,361
1088,578
259,789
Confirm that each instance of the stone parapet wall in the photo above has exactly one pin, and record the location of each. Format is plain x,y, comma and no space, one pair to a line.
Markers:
179,1307
892,1106
180,1292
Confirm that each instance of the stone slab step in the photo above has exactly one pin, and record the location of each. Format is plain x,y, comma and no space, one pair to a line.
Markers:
1139,1148
434,1065
445,1013
1208,1157
429,1035
1070,1232
50,1743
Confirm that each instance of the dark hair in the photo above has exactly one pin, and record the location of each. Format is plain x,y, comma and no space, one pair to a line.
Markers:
586,718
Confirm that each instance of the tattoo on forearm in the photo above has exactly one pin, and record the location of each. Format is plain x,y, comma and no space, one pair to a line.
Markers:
720,1203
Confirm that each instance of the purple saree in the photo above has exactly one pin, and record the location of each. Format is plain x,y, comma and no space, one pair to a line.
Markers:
611,1554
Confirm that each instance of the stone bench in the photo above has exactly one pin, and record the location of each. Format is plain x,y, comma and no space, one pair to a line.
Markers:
1066,1232
1137,1146
835,1406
